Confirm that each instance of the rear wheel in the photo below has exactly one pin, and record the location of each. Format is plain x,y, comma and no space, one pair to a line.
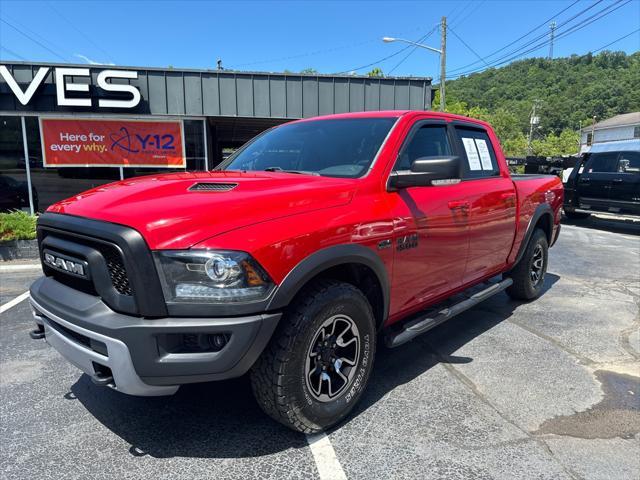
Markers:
528,275
319,360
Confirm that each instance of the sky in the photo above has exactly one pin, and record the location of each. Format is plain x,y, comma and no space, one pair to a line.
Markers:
329,36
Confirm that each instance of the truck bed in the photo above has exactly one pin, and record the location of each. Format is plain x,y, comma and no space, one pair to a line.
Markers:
529,176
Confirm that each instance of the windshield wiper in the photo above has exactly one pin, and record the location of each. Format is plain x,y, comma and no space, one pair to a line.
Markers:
301,172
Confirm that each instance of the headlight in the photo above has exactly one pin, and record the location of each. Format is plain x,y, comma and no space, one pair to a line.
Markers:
211,276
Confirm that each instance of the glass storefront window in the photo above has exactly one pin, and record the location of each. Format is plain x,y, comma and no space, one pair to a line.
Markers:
194,144
50,185
14,190
55,184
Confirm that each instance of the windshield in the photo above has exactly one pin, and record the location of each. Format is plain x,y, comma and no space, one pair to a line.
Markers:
334,148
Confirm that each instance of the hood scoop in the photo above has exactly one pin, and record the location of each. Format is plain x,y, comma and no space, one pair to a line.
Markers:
212,187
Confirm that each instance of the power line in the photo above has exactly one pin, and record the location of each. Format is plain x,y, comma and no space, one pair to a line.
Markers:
466,45
316,52
616,41
84,35
412,50
462,20
535,39
572,29
452,16
34,40
376,62
307,54
47,41
11,52
521,37
404,49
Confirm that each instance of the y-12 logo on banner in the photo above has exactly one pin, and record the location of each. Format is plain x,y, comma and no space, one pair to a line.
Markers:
124,141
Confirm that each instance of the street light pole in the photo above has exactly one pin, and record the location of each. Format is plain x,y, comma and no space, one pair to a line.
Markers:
443,62
441,51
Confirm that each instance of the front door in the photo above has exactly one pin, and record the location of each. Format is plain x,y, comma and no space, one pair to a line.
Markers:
594,183
624,195
430,226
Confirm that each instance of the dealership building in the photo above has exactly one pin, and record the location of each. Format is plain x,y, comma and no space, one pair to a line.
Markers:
67,128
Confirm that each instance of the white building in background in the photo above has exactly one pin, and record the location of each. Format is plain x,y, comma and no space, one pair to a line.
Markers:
621,128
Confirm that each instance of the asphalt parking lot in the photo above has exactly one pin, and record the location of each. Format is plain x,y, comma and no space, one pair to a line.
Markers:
544,390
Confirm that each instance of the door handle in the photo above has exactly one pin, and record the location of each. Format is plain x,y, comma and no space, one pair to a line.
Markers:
459,205
617,180
585,180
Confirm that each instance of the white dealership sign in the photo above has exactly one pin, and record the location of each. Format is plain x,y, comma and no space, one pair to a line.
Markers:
64,86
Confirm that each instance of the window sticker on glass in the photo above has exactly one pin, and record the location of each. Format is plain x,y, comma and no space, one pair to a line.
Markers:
472,154
485,156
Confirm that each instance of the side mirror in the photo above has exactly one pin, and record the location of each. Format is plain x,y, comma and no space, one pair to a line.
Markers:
425,171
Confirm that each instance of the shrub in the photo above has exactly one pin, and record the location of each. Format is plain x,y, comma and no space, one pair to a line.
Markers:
17,225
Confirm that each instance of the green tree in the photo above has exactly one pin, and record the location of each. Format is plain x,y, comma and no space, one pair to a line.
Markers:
376,72
309,71
555,145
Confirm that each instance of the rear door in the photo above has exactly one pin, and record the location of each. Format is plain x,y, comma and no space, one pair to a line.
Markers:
624,194
594,183
492,204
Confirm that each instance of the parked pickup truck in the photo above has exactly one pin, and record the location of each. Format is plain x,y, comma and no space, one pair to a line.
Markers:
605,180
292,259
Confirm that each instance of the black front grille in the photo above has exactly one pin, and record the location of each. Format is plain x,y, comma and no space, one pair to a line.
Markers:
120,264
113,259
117,272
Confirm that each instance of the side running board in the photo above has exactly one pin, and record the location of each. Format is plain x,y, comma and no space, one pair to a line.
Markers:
439,315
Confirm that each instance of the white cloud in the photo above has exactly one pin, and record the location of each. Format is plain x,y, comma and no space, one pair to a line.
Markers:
89,61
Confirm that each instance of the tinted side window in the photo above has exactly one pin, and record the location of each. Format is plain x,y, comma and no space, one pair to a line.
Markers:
602,162
479,159
629,162
427,141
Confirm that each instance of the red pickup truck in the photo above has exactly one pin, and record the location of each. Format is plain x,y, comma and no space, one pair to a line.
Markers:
292,259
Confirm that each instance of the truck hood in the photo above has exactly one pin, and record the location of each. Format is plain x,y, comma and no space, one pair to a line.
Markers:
170,213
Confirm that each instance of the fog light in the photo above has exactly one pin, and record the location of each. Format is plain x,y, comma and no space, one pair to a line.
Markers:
218,341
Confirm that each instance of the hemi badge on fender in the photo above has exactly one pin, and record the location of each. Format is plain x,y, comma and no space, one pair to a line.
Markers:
384,244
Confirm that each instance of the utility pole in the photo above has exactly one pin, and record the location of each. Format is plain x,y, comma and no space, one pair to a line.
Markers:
533,121
443,61
552,26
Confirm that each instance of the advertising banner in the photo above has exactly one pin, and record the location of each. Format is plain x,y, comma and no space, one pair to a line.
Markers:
112,143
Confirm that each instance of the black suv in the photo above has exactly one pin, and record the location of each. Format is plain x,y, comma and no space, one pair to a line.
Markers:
604,182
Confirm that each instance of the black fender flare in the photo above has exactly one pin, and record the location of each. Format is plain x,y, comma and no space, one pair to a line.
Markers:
324,259
542,210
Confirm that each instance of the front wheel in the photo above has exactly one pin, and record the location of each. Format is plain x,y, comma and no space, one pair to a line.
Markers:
528,275
319,360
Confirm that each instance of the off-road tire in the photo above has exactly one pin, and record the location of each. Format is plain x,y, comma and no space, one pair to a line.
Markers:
573,215
524,288
279,378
